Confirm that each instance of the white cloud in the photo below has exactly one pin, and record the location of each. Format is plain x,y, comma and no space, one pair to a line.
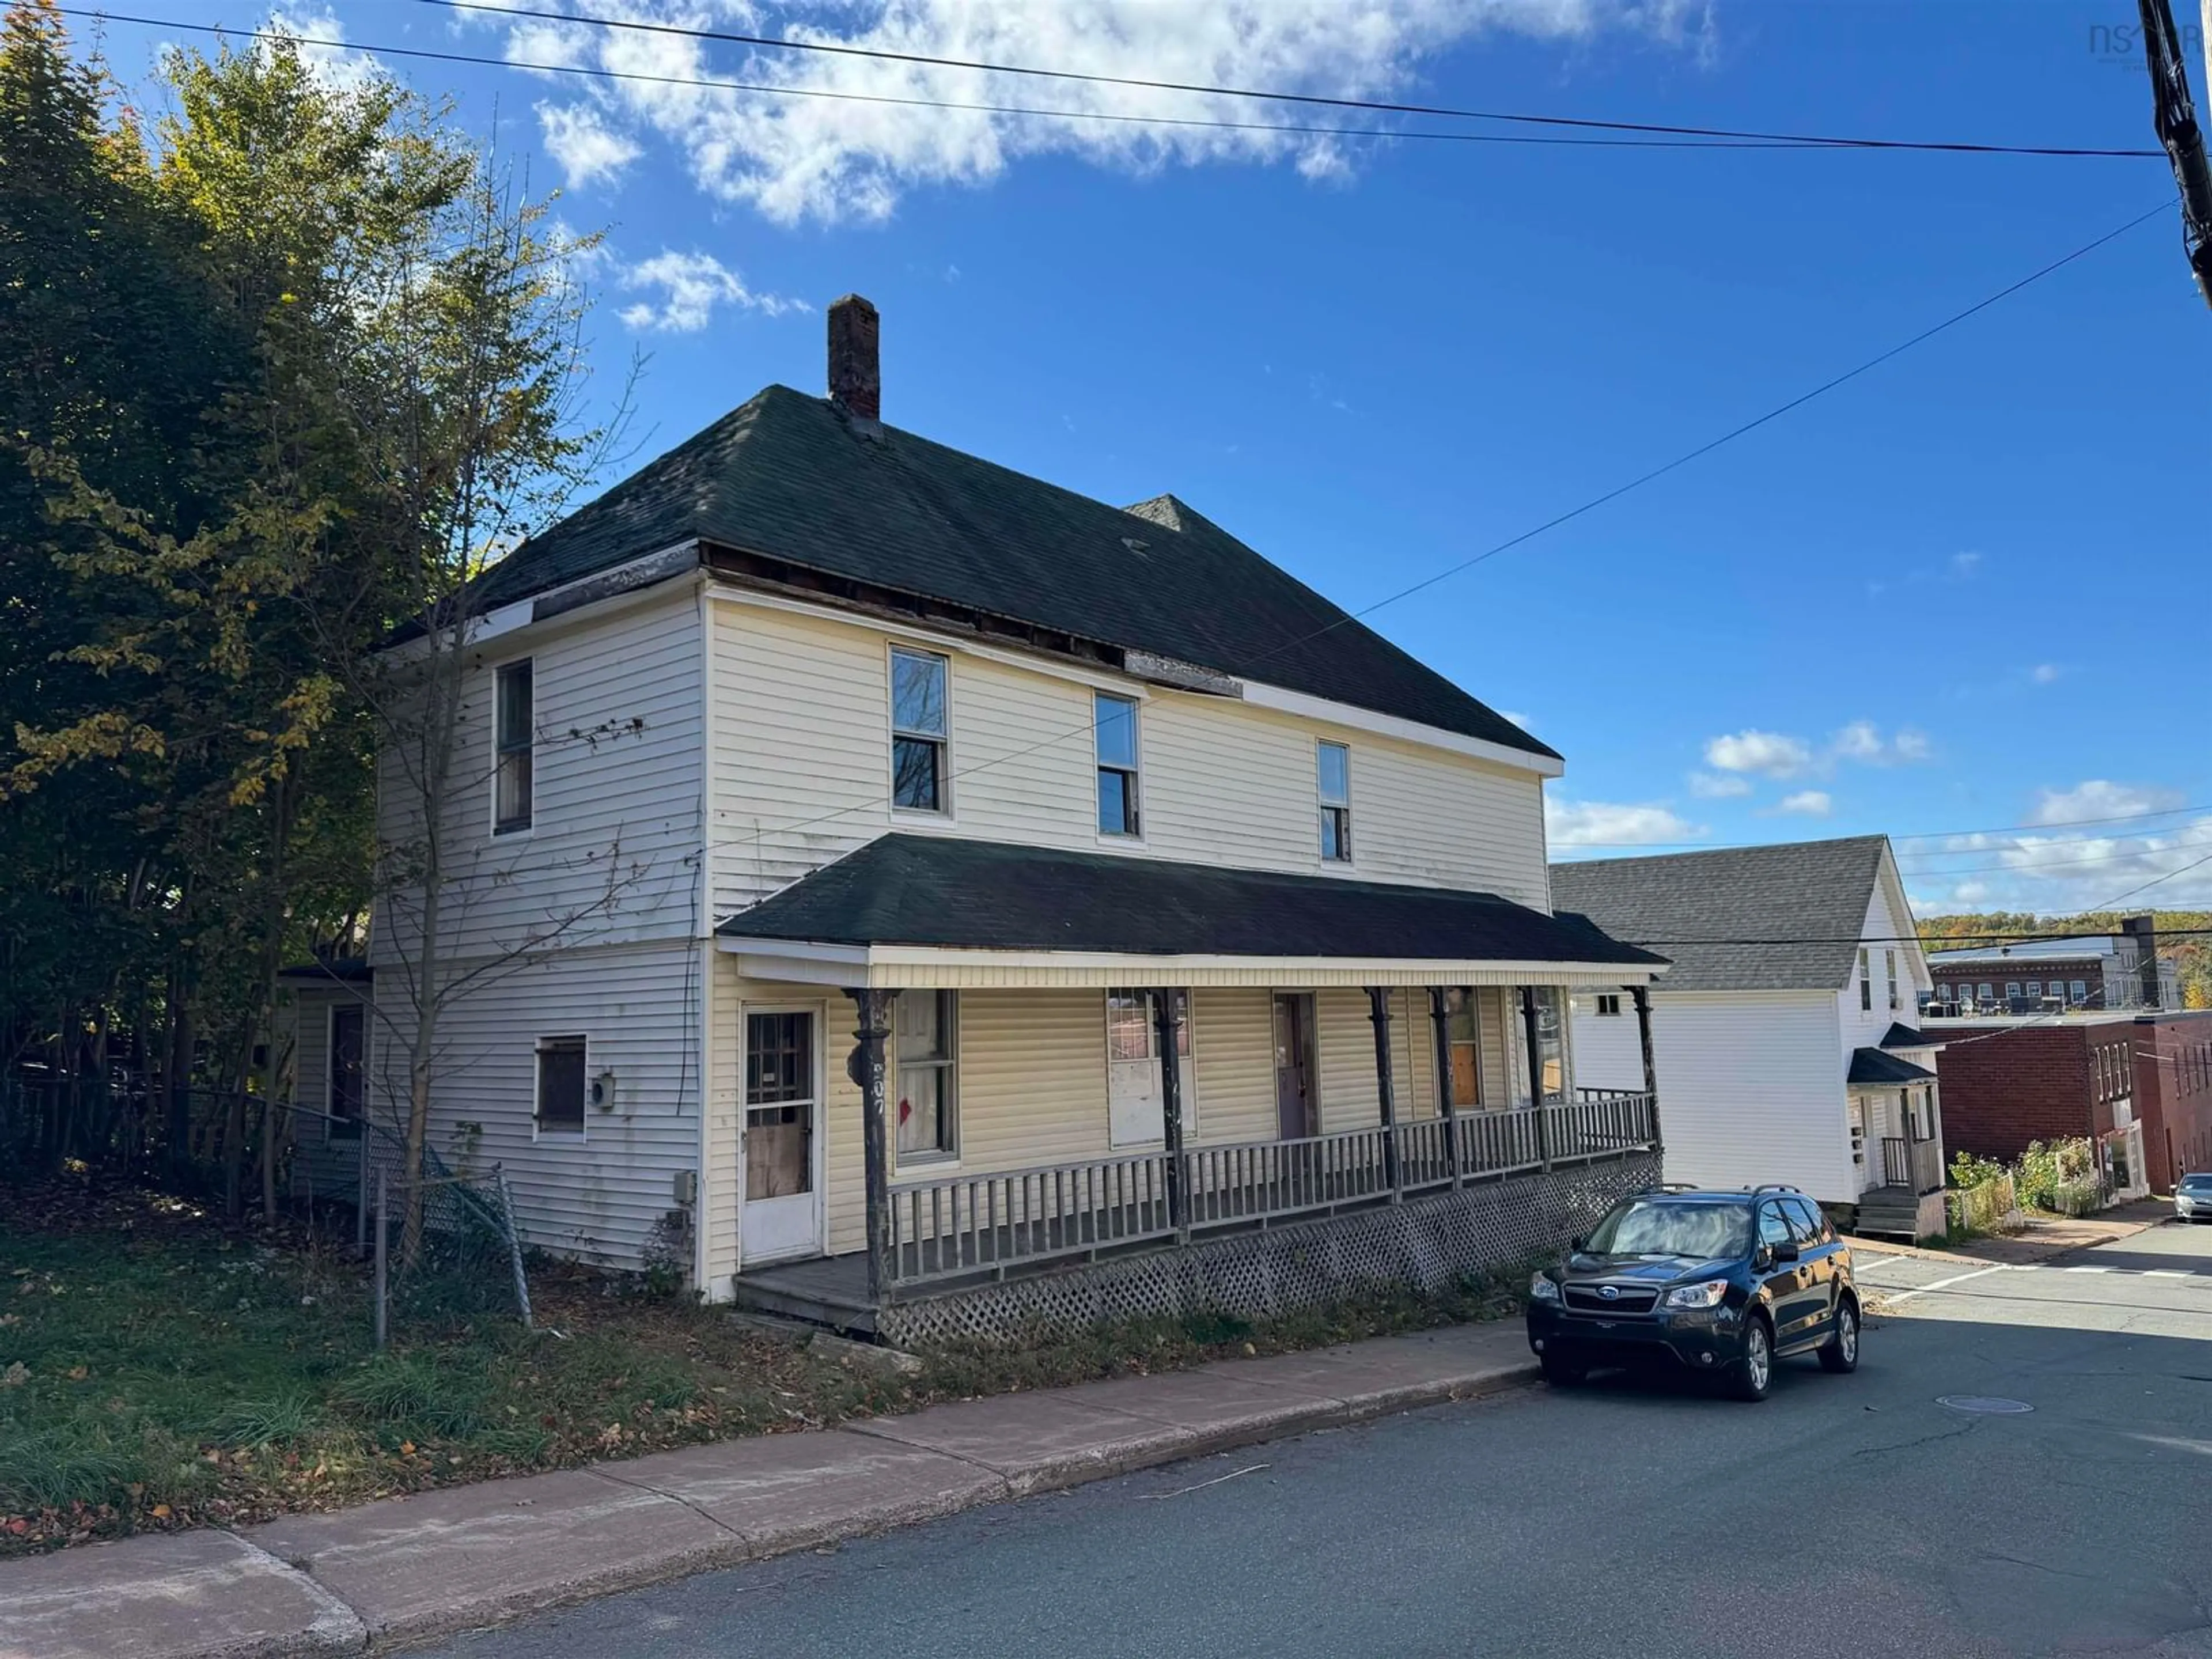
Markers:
1963,565
1718,786
693,285
587,150
1813,803
1769,753
337,65
1910,745
2068,871
1602,824
1859,741
1519,720
830,158
2043,673
1862,741
2100,798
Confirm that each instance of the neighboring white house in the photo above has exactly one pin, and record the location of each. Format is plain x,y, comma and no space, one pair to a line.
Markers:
1785,1032
930,805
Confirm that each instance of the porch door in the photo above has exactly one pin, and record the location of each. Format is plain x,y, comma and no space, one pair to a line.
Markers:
783,1213
1296,1117
1136,1116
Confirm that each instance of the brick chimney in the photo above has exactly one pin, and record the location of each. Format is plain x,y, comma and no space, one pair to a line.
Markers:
856,380
2143,931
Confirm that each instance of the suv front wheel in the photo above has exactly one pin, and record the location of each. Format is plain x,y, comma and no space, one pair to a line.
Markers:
1754,1372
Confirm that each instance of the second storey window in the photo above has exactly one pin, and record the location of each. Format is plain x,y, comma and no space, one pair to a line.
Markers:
514,725
1866,981
1608,1003
919,730
1336,803
1889,972
1114,719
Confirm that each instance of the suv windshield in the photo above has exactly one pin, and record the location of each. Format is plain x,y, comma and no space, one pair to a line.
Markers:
2196,1183
1658,1226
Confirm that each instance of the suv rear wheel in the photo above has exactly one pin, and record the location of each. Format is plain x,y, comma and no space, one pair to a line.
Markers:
1754,1372
1840,1352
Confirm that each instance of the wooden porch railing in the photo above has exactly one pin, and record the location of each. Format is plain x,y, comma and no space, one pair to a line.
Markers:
956,1226
1917,1165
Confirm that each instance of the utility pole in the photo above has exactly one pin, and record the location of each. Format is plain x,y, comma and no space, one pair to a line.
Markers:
2173,118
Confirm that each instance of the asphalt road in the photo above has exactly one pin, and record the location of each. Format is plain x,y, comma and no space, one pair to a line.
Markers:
1854,1516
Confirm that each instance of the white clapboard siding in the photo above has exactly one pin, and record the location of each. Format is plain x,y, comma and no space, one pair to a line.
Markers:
598,1195
1233,1056
1608,1050
801,771
616,785
1751,1090
1887,928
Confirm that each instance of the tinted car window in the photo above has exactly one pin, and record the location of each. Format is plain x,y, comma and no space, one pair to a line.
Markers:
1772,1229
2196,1183
1644,1226
1805,1220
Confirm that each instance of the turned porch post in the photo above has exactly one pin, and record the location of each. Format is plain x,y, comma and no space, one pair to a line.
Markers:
1167,1021
866,1069
1440,1025
1642,993
1386,1089
1535,1073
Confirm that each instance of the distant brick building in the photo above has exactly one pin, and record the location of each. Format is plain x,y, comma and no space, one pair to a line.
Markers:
2107,972
2007,1083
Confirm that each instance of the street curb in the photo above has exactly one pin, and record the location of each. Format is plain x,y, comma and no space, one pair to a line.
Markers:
339,1625
1168,1445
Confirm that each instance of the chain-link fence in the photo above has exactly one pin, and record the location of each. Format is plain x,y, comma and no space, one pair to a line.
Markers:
444,1241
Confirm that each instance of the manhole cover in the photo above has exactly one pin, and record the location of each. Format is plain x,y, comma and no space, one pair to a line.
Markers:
1984,1405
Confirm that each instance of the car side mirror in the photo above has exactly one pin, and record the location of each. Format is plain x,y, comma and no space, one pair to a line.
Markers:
1579,1242
1785,1251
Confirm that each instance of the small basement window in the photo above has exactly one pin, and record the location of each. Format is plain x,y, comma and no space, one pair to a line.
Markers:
1114,724
561,1085
1335,779
920,730
514,719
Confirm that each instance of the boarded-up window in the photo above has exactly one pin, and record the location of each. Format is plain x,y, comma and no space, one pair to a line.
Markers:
561,1083
1464,1028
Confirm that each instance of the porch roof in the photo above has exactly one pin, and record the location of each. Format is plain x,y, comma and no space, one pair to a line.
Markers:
1872,1068
923,910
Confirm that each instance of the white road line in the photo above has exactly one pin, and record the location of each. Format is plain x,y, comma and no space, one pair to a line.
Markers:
2088,1270
2167,1273
1943,1284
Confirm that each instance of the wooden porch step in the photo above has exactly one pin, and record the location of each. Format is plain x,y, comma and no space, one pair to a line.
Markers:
830,1293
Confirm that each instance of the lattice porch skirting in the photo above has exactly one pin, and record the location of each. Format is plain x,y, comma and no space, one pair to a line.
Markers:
1424,1243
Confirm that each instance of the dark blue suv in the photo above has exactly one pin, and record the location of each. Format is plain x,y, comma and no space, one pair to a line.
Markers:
1716,1282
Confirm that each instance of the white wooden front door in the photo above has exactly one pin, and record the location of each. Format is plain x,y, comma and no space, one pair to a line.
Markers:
783,1212
1134,1113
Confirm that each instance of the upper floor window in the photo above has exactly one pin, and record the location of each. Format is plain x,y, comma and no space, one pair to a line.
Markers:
1866,980
1608,1003
1986,992
1889,972
1335,763
514,723
920,730
1114,721
2077,992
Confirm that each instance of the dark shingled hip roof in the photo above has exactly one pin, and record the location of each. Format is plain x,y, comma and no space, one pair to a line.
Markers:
937,890
786,477
1804,903
1871,1067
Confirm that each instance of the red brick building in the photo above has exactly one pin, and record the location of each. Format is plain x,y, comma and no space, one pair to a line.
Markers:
2007,1083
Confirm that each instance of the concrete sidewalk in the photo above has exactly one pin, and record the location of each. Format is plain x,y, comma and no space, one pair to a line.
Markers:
406,1570
2041,1237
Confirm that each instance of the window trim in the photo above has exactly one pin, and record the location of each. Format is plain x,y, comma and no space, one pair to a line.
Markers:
1135,774
1889,974
1347,836
1189,1033
1612,998
1474,1003
949,1154
943,812
502,829
1866,980
563,1131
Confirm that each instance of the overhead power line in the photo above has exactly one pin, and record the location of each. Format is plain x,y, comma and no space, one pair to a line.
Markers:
1661,848
883,54
709,83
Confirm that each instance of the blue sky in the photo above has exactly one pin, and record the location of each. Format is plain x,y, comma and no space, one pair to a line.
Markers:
1964,592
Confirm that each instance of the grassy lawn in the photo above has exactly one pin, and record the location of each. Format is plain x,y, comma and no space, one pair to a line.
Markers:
159,1371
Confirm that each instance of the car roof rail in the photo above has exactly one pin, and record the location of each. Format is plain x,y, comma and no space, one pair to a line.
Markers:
1665,1187
1773,1187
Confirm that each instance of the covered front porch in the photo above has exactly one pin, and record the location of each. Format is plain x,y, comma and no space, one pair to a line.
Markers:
1897,1136
1022,1110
